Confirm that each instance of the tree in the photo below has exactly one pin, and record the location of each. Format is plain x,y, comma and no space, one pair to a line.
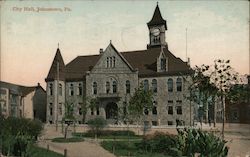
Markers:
96,125
224,78
87,104
69,117
142,99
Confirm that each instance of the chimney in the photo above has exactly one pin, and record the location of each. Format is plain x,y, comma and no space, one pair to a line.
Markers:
188,61
38,84
101,51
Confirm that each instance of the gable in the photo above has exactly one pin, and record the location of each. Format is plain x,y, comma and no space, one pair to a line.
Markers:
111,61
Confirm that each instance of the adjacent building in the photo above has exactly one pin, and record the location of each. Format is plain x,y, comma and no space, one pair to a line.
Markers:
112,77
22,101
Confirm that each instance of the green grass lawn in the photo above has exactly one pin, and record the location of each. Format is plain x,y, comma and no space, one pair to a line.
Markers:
36,151
67,140
110,135
123,148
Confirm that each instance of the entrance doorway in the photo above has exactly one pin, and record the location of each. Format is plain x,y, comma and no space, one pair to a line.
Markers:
111,111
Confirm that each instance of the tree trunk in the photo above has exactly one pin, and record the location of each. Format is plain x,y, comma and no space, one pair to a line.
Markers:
223,115
66,131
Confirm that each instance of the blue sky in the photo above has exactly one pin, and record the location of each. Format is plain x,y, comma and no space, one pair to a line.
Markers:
216,29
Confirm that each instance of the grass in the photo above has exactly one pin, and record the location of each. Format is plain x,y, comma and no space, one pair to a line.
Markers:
123,148
110,135
67,140
36,151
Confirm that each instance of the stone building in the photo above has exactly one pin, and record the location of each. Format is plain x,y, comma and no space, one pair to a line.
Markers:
112,76
22,101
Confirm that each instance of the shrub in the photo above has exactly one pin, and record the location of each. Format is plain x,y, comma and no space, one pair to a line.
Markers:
96,125
17,134
157,143
191,141
67,140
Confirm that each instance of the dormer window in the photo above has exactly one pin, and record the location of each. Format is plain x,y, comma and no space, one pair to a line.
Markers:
163,64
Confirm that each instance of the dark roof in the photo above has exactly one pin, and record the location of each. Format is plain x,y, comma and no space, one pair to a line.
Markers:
144,60
78,67
19,89
157,19
53,69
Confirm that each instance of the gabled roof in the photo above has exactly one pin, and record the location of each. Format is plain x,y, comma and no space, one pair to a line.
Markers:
157,18
58,60
145,61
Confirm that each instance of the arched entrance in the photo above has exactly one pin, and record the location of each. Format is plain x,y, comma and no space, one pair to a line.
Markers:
111,111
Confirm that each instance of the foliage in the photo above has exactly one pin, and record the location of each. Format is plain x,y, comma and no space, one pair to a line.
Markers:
35,151
192,141
67,140
97,124
125,148
142,99
109,134
17,134
87,103
157,143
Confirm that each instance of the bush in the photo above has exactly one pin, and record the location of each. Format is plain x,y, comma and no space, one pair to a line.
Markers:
67,140
96,125
157,143
17,134
191,141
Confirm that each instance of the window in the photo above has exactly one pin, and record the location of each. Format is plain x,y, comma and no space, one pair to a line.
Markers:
179,85
179,110
154,123
145,85
113,61
107,87
163,64
71,90
51,109
94,88
170,85
154,85
80,89
124,110
114,87
127,86
50,89
154,110
97,110
110,62
60,108
170,122
170,101
60,89
179,101
80,111
170,110
146,111
107,62
92,111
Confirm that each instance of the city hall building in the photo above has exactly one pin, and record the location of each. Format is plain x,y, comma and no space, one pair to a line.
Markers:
111,77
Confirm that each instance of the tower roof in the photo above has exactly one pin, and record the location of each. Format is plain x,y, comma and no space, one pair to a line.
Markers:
58,60
157,18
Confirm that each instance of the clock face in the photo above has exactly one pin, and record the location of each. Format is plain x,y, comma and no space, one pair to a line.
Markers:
156,31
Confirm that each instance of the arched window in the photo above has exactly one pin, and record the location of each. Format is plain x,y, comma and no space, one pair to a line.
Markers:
114,86
170,85
107,87
71,90
127,86
60,89
94,88
154,85
50,89
179,85
145,85
110,62
146,111
163,64
80,89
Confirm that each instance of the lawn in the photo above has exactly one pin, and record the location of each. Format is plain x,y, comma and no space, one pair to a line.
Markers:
36,151
125,148
110,135
67,140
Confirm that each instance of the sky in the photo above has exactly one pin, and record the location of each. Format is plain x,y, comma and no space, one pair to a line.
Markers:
30,36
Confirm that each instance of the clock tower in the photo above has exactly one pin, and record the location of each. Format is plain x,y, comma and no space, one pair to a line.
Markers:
157,27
